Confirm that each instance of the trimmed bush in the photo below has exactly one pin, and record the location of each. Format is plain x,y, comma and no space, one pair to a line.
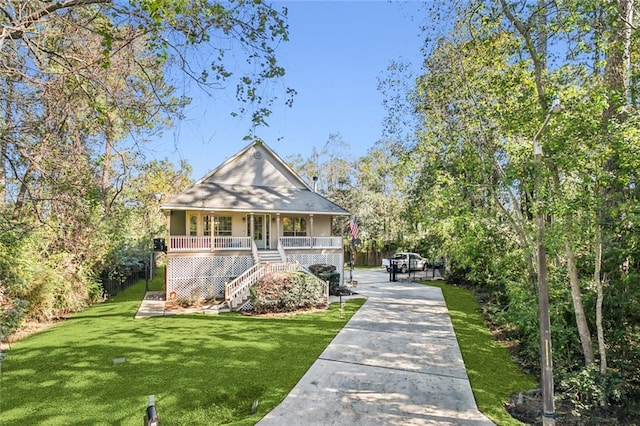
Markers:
327,273
287,292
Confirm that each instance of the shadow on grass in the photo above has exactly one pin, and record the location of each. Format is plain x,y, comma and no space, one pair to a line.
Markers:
99,366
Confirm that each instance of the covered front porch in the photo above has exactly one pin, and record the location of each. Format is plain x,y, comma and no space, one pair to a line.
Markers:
207,250
184,243
208,231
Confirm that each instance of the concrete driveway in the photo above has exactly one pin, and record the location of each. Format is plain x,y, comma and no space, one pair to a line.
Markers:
397,362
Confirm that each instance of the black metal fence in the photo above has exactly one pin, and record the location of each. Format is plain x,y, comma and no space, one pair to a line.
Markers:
114,282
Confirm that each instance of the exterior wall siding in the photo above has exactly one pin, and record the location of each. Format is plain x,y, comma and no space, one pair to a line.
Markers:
259,167
178,223
322,226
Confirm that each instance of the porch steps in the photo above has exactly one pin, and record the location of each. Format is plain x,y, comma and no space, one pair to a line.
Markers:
269,256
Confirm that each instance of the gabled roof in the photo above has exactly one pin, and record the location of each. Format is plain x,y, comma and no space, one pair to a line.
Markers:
255,179
255,164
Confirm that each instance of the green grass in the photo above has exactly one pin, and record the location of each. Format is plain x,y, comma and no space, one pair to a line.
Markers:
201,369
491,370
205,369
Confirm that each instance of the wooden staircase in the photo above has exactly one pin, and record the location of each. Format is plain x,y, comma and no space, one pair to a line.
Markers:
269,256
237,293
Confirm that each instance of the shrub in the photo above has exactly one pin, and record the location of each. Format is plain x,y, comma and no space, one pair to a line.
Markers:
287,292
50,283
327,273
12,312
588,390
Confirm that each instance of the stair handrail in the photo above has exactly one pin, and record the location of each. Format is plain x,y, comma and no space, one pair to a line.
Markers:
239,285
254,251
238,288
317,278
281,251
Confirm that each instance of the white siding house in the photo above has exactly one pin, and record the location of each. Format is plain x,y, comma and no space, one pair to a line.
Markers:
251,214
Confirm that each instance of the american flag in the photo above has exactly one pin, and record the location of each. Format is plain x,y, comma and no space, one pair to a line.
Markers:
353,228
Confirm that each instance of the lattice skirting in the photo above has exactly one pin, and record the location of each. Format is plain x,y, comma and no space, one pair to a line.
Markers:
336,259
203,277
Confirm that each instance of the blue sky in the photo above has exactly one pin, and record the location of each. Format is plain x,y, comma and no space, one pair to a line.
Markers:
337,51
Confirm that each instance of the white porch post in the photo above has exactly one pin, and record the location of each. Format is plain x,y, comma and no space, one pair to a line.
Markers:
167,215
311,230
251,221
277,229
211,230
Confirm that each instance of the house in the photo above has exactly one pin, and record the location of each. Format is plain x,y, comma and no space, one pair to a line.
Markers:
250,215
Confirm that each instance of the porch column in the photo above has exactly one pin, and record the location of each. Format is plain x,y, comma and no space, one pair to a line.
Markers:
311,230
251,221
167,215
211,228
277,229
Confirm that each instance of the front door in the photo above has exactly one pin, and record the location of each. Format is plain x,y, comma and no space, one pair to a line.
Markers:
261,230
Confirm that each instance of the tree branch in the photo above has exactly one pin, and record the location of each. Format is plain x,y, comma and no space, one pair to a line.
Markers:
20,27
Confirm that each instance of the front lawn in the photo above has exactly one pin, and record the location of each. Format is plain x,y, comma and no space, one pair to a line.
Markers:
99,366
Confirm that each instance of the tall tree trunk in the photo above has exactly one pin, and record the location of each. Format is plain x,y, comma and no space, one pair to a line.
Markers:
3,170
5,136
578,307
617,78
536,46
618,62
107,161
105,177
599,283
576,292
22,193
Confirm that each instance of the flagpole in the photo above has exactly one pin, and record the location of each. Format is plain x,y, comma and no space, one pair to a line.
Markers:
353,230
353,254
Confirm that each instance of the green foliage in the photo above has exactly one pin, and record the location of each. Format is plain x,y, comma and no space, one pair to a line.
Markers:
587,389
41,283
67,374
484,96
327,273
369,188
77,197
12,313
287,292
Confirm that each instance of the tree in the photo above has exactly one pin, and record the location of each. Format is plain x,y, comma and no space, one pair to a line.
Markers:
486,91
85,83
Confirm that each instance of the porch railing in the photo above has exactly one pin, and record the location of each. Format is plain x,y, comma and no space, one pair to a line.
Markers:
189,243
232,243
326,242
310,242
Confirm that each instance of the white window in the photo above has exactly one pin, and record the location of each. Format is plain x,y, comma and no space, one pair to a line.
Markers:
222,226
193,224
294,226
206,225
